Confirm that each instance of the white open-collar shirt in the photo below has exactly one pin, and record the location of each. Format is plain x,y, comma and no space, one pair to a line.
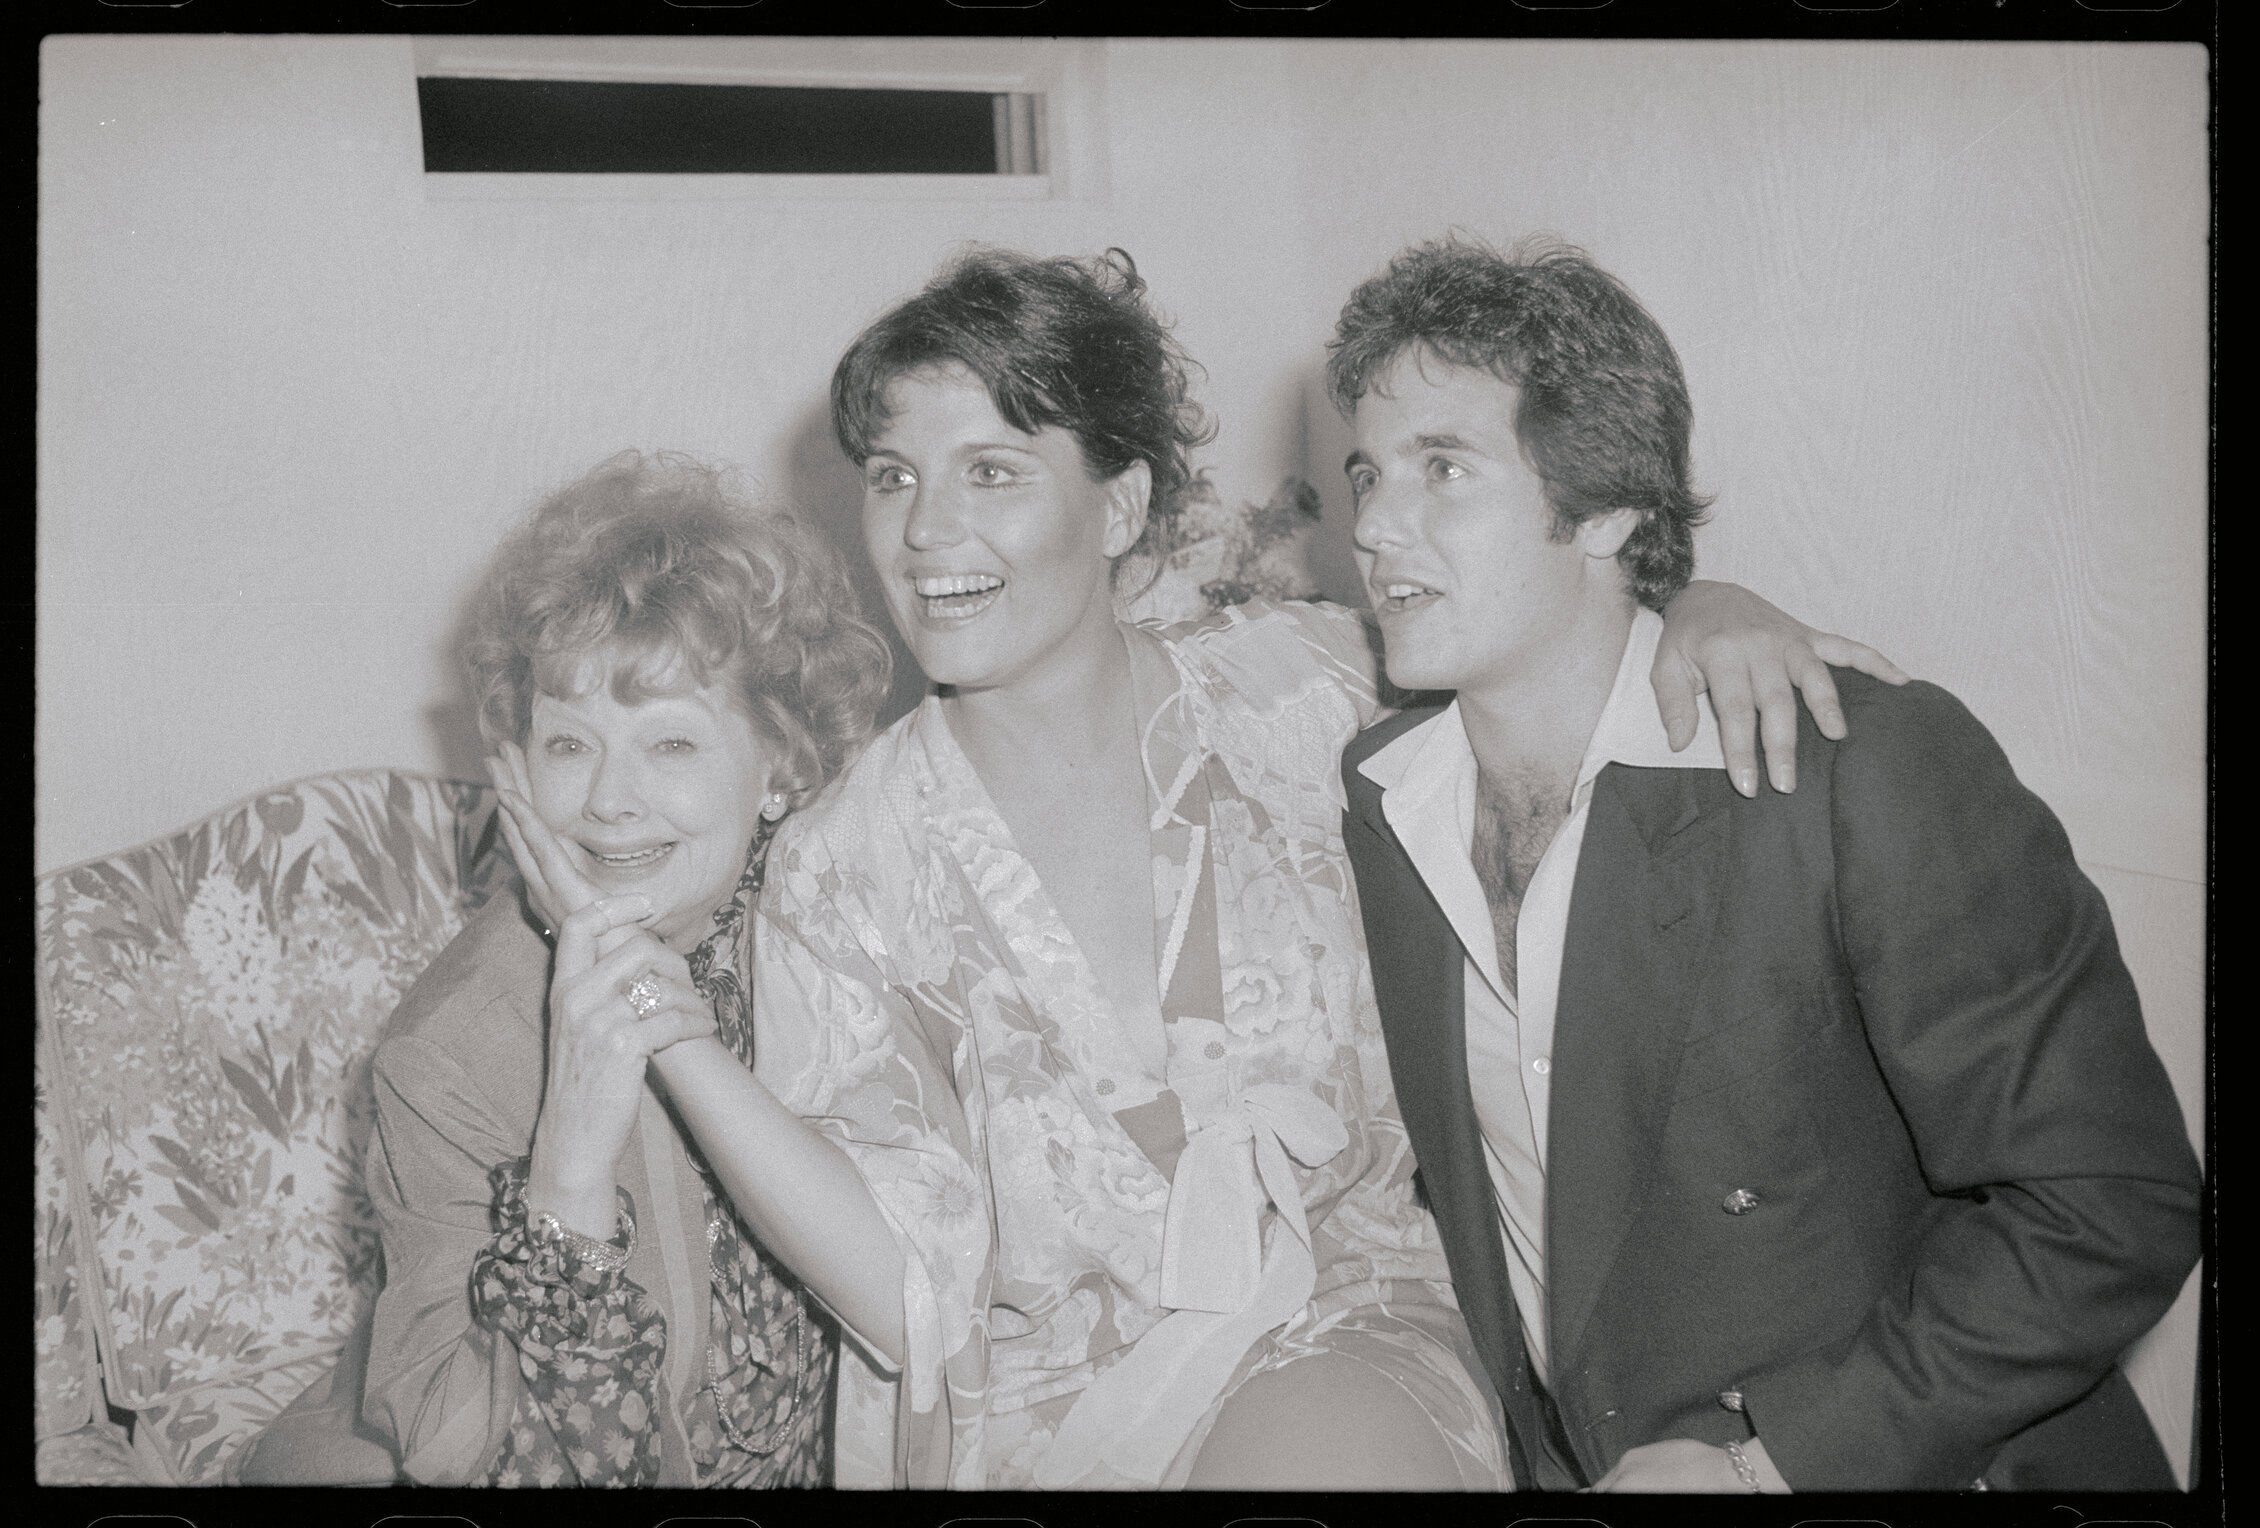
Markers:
1428,783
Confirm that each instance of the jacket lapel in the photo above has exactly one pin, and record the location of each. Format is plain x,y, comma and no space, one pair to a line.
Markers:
1418,971
1641,912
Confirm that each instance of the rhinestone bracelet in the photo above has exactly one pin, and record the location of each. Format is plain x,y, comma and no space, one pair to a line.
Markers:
604,1257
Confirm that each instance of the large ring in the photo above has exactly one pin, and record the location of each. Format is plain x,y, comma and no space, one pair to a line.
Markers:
644,994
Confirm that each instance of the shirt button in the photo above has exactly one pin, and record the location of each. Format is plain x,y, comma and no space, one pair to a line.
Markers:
1731,1399
1740,1202
1542,1066
1214,1050
1106,1086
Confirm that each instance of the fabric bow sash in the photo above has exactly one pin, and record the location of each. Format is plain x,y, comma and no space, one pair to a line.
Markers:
1226,1284
1211,1242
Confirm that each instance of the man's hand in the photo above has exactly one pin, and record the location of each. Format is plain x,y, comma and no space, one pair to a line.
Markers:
1683,1465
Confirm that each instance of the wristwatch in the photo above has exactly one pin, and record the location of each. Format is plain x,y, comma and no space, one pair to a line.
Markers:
602,1256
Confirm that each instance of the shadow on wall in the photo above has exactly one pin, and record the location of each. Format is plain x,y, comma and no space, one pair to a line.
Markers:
1327,439
822,486
453,722
827,488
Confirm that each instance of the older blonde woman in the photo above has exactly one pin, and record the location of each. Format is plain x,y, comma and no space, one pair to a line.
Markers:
665,674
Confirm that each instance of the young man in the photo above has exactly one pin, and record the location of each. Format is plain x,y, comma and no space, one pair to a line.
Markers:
1791,1142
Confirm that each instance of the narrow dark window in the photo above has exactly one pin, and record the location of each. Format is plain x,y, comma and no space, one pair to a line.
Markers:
603,127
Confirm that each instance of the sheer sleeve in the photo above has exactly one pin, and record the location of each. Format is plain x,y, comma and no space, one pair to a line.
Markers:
842,1044
1347,646
1276,650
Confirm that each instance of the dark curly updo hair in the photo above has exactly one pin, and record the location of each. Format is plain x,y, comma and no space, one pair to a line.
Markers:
1063,342
1603,414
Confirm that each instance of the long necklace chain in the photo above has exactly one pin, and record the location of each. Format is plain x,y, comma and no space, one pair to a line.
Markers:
723,986
802,1360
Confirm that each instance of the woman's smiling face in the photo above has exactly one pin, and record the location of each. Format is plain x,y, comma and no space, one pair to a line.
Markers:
994,546
657,795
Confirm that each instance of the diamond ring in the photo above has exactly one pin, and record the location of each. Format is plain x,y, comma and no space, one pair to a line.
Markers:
644,994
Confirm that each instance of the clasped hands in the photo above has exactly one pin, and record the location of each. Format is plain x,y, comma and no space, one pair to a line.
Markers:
600,1040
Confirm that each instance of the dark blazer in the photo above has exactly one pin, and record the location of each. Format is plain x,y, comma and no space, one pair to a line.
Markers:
1856,1142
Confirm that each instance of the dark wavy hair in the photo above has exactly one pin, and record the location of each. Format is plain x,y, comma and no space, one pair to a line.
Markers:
1603,415
662,557
1057,342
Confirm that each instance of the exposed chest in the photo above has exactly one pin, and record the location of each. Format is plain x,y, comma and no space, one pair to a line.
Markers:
1517,817
1085,835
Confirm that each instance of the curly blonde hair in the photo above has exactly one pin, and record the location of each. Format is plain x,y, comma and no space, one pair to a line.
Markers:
662,558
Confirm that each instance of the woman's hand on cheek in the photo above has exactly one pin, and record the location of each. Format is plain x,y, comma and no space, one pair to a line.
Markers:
601,1038
1753,660
555,886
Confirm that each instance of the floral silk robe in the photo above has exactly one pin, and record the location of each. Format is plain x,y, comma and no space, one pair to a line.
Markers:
1062,1210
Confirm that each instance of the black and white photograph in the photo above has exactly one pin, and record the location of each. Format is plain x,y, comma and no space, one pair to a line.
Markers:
1262,764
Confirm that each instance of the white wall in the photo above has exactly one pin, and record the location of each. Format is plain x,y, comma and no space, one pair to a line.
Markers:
1944,316
288,402
1944,312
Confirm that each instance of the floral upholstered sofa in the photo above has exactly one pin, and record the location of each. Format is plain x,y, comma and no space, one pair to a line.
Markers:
208,1006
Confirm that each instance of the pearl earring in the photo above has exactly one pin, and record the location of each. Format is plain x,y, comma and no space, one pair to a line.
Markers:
773,806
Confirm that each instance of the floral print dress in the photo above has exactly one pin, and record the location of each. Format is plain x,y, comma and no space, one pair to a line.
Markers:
1097,1255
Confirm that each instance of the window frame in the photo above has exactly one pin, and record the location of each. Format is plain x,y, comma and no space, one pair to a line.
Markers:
1066,75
